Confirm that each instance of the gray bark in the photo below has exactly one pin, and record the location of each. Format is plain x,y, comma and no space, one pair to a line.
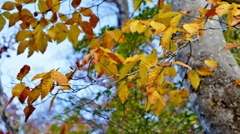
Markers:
10,126
216,101
122,5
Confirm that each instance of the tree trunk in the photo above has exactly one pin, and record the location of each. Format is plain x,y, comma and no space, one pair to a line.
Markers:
216,101
13,129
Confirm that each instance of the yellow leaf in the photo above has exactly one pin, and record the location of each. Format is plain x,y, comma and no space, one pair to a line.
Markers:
58,77
8,5
126,26
52,32
204,71
22,46
76,3
161,77
56,5
157,25
153,76
94,44
117,35
46,84
195,80
42,6
152,59
153,95
170,71
133,59
62,17
143,71
73,35
86,11
13,19
147,105
211,63
175,97
137,26
166,37
182,64
126,69
223,9
237,82
158,107
2,22
52,100
136,4
23,72
18,89
107,41
34,94
76,17
28,110
37,76
122,91
191,28
162,89
174,22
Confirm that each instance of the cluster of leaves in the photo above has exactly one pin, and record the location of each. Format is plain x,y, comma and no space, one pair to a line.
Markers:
114,55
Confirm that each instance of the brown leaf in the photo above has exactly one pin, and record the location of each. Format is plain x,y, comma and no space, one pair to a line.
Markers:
86,27
231,45
28,111
94,20
2,22
23,72
24,94
76,3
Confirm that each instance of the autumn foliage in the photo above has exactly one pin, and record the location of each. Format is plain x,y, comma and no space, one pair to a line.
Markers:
150,72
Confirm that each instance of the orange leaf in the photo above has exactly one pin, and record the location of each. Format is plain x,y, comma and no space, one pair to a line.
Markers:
204,71
8,5
117,35
237,82
93,20
37,76
28,111
175,97
18,89
182,64
76,3
24,94
58,77
34,94
231,45
107,41
113,57
86,27
184,93
211,63
23,72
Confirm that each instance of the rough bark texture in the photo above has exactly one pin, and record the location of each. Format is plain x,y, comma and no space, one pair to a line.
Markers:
12,128
216,101
123,10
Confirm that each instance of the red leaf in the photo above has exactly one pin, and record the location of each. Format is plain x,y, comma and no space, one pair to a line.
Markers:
28,111
23,72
